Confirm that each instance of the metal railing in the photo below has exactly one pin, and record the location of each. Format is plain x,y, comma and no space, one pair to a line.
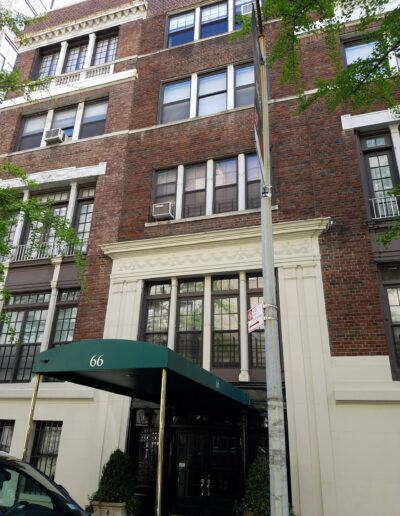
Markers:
81,75
27,252
385,207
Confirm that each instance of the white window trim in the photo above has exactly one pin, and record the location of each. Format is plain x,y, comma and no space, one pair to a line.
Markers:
210,190
194,86
197,21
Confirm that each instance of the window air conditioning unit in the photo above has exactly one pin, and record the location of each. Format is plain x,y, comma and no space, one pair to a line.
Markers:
54,136
246,9
163,211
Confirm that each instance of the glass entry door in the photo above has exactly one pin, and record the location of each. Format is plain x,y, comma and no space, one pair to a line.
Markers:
206,471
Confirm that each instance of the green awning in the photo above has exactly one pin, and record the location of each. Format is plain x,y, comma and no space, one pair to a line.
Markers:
133,368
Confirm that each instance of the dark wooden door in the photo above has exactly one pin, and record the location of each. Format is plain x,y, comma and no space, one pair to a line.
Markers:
205,472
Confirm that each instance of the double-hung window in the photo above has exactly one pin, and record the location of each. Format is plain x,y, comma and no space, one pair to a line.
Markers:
176,101
181,29
65,119
76,56
21,335
194,197
244,85
32,132
225,323
212,93
190,320
94,119
6,433
225,192
157,313
256,338
84,215
165,190
105,49
253,173
358,50
214,19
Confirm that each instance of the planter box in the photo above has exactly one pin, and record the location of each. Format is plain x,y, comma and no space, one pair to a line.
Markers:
109,509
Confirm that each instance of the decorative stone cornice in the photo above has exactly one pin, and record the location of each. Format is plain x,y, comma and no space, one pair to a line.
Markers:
100,20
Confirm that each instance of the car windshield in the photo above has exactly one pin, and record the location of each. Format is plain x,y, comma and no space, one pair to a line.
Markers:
26,492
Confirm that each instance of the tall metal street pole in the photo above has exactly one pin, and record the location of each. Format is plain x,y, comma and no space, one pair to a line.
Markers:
276,423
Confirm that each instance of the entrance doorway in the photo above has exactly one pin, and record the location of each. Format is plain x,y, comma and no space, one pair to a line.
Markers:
206,472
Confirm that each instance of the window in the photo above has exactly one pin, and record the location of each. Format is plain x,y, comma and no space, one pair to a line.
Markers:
48,61
391,287
225,322
256,338
45,446
358,50
32,132
105,50
238,12
181,29
190,320
166,186
381,175
215,93
244,85
93,123
65,320
157,313
65,120
194,201
225,196
253,193
84,215
75,58
6,432
214,19
176,101
212,93
94,119
21,334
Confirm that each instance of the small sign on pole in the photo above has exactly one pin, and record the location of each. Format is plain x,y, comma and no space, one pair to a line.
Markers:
255,318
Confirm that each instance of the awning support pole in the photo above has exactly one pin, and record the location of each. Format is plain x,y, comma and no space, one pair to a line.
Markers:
161,442
31,413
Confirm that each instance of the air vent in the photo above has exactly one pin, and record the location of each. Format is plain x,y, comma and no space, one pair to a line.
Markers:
54,136
163,211
246,9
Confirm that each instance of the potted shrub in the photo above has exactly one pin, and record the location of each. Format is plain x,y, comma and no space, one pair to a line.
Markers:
115,496
255,501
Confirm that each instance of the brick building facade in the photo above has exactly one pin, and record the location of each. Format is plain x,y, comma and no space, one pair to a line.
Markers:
153,100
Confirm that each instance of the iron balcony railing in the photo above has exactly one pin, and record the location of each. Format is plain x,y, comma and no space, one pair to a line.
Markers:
385,207
27,252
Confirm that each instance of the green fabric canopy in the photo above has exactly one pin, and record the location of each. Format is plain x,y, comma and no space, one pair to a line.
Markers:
133,368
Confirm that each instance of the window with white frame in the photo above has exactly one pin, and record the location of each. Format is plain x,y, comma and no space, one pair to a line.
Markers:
204,22
212,94
225,189
181,28
75,57
234,184
91,123
189,342
48,60
32,132
216,92
105,49
364,49
65,317
157,313
176,101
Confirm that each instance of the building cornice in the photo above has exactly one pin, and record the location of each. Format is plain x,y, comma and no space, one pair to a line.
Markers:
122,14
303,228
